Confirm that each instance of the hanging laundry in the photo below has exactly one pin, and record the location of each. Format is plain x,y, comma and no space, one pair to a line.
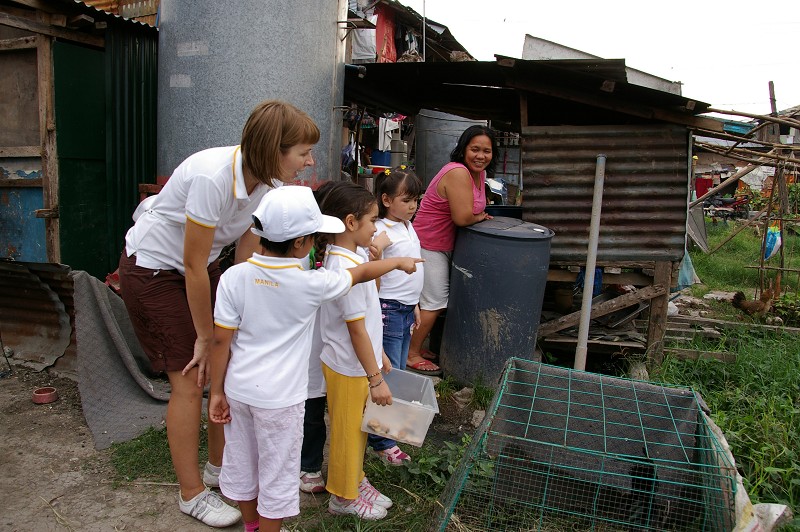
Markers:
384,38
385,129
364,42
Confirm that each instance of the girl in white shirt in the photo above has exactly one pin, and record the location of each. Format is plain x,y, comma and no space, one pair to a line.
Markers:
398,191
352,355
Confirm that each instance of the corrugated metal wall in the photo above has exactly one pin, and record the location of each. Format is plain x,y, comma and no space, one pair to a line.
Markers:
645,194
131,103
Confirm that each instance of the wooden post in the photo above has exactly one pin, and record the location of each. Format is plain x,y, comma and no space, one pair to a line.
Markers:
657,326
47,136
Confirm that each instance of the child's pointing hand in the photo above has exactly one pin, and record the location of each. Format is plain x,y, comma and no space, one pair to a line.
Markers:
408,264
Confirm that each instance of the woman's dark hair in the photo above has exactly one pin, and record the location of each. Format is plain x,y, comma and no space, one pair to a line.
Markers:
279,248
459,152
400,179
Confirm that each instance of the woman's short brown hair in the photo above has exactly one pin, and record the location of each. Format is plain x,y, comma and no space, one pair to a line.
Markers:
272,128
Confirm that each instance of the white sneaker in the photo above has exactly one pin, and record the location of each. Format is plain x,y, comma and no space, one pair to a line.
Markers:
358,507
211,475
312,482
368,492
209,508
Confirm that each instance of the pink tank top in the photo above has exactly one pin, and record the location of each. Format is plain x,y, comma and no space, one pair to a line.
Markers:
433,223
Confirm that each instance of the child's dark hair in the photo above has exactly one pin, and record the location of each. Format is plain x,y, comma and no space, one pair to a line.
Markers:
340,198
279,248
345,197
400,179
460,151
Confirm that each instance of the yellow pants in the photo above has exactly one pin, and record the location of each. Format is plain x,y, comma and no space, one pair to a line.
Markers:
347,397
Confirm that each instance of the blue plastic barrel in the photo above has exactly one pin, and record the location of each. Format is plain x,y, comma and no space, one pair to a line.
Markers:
497,282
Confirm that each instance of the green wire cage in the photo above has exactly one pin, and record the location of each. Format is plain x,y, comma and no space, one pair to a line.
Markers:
561,449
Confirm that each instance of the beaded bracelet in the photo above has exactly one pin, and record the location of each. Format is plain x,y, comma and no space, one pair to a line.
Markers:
376,385
374,374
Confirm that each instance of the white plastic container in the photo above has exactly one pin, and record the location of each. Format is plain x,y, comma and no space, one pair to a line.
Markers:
408,417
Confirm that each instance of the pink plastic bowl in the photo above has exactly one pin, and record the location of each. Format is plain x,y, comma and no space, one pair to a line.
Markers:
45,395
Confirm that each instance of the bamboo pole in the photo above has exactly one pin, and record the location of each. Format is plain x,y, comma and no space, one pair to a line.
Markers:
785,121
766,230
739,230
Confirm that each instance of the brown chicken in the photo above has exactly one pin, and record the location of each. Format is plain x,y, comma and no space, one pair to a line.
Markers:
753,308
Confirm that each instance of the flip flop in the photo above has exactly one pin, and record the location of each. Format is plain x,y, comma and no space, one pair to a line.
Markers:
427,354
424,367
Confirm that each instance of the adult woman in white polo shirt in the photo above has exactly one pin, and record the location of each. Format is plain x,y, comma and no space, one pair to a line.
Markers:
169,273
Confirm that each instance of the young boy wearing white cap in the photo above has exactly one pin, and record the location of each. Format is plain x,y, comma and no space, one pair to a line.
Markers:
264,319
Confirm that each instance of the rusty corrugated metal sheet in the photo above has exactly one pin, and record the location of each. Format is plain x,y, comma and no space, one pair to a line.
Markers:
645,194
35,321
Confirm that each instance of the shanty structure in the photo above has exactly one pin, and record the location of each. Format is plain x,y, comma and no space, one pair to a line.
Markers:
566,113
77,104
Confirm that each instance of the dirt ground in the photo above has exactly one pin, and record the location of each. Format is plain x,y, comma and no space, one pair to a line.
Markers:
52,478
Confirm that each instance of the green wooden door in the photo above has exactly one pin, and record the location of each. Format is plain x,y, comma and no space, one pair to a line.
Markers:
79,81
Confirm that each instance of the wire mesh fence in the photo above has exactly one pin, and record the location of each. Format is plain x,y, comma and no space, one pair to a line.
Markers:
567,450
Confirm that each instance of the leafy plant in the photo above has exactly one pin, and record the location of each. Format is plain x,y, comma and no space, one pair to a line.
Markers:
788,308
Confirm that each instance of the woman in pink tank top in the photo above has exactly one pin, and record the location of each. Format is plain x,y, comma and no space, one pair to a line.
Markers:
456,197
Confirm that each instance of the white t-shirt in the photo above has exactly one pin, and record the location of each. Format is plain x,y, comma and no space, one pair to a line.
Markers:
207,188
398,285
361,303
272,304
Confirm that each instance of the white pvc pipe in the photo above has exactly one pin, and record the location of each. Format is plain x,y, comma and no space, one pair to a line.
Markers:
591,261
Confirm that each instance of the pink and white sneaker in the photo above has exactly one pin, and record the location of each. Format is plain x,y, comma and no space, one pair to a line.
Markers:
393,456
358,507
368,492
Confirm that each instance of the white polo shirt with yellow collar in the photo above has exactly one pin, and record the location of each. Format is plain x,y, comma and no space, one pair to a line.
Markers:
397,285
361,303
272,304
207,188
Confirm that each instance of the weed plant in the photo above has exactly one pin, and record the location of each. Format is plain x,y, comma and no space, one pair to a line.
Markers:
755,400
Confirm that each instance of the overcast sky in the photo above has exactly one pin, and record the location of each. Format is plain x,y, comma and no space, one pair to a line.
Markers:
725,52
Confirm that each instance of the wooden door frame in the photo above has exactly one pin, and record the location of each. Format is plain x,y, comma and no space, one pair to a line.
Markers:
46,150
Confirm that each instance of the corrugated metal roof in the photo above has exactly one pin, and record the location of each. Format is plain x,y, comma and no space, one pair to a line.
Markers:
101,10
563,92
644,198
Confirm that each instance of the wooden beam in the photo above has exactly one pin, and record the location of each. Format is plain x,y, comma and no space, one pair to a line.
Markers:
80,21
696,354
606,101
774,119
634,278
20,43
662,276
734,324
21,151
601,309
21,183
44,29
47,135
42,5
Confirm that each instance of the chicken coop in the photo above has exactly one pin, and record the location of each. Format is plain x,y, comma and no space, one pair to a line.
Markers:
562,449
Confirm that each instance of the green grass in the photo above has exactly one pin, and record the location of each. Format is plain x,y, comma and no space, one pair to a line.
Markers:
725,269
147,457
755,402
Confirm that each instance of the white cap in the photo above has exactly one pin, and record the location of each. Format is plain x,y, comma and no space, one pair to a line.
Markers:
291,212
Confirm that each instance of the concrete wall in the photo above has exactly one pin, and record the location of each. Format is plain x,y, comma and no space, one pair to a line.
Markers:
217,60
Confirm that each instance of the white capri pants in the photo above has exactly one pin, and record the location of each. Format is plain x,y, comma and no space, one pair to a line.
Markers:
436,283
262,458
